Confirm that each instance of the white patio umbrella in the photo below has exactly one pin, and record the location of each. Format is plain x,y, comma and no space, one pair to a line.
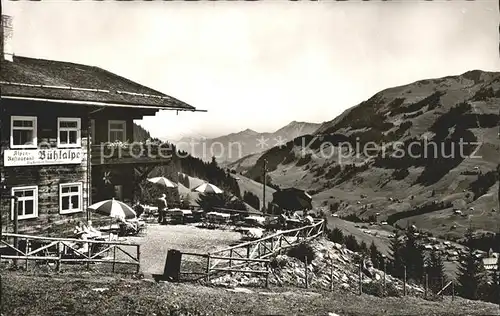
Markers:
113,208
207,188
163,181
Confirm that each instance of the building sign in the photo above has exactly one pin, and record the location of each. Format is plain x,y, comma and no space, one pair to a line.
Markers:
35,157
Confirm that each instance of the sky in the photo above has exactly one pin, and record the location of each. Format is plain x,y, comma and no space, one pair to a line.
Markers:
261,65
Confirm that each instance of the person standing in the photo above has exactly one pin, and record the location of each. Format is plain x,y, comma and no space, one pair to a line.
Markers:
139,209
162,208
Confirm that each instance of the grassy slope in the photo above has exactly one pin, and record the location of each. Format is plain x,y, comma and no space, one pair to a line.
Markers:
254,187
244,163
64,295
349,228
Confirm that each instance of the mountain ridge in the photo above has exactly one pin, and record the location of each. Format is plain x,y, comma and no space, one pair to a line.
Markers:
443,110
234,146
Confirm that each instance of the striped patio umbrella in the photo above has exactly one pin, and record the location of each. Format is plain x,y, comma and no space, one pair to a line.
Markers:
113,208
207,188
163,182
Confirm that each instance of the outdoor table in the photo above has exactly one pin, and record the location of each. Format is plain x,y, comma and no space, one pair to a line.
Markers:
176,215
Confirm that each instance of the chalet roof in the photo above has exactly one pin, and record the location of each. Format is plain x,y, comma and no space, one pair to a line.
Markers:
57,80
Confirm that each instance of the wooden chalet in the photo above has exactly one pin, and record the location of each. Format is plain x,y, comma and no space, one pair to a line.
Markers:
65,127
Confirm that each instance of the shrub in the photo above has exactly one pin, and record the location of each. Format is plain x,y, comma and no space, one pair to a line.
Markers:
376,288
301,252
333,171
351,243
251,199
392,291
304,160
483,94
483,183
336,235
373,288
277,262
400,174
334,207
289,158
431,100
425,208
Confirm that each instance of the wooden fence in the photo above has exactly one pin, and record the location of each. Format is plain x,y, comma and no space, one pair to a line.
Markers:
28,248
251,257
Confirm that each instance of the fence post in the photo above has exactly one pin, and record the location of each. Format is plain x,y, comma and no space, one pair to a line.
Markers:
306,273
426,285
498,284
404,282
331,274
27,250
452,291
208,268
59,253
267,274
138,258
89,246
385,281
1,295
248,255
114,257
230,256
360,277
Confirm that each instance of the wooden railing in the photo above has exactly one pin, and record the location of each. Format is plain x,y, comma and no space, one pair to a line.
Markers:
253,257
111,153
27,248
450,285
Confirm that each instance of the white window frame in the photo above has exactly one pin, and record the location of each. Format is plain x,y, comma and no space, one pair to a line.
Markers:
124,129
80,197
34,198
34,129
66,129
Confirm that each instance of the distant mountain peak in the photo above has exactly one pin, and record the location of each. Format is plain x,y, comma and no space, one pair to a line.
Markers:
248,141
249,131
297,128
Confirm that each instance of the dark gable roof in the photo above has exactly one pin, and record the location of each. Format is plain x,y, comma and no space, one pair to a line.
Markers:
56,77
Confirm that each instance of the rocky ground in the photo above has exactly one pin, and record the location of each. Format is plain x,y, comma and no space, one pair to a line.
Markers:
331,260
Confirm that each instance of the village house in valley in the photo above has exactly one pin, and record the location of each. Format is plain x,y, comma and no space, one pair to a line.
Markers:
48,113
